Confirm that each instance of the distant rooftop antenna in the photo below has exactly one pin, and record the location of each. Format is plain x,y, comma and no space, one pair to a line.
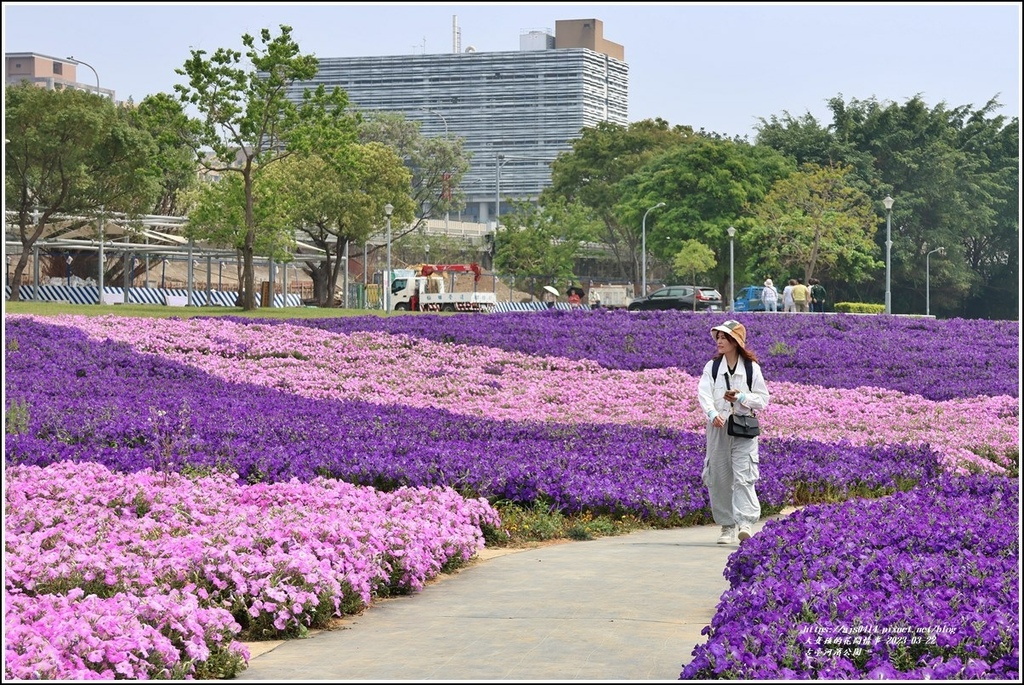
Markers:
456,35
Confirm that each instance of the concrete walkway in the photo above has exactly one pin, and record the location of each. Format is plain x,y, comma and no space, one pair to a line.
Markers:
629,607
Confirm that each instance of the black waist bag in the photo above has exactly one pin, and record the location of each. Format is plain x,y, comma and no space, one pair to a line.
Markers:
743,426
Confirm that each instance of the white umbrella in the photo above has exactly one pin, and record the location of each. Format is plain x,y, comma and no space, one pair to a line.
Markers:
551,289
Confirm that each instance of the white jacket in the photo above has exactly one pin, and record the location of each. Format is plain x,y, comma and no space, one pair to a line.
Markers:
712,395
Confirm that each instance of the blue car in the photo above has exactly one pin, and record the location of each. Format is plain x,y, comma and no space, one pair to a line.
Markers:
749,300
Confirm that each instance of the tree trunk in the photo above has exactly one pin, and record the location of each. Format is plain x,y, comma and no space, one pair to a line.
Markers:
19,271
334,270
248,247
321,284
248,276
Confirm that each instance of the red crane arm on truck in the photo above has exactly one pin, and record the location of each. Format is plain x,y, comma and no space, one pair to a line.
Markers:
427,269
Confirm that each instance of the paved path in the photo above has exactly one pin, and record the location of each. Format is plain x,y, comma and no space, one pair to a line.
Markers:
628,607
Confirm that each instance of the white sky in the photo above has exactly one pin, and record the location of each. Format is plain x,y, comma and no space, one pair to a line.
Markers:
717,66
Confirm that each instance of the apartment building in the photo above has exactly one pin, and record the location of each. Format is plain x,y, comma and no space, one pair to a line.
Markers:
515,110
52,73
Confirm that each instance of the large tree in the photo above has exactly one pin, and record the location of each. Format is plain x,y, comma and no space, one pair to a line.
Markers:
174,163
334,208
707,186
540,244
249,122
954,176
815,223
71,154
591,172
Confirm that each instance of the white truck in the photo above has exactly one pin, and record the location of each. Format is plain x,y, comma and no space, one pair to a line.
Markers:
610,296
422,289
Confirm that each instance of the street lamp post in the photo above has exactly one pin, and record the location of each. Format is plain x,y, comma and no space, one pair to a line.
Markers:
643,249
95,73
446,176
888,253
443,120
101,258
499,161
927,280
732,272
388,208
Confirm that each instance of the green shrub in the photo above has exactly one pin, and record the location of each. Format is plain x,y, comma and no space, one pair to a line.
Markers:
859,308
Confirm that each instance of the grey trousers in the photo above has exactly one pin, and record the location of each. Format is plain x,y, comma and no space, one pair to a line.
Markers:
730,472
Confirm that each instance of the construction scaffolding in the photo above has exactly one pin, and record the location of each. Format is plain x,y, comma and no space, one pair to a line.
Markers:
142,242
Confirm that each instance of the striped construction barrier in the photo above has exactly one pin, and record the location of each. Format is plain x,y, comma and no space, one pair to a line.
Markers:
504,307
215,298
165,296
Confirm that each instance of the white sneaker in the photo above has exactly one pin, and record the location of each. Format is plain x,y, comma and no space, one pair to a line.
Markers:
728,535
744,533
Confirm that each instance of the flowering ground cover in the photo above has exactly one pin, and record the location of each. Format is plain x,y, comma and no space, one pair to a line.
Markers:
581,411
920,585
153,575
937,359
978,432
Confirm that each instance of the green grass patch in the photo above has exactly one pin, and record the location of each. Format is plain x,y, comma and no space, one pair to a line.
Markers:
539,523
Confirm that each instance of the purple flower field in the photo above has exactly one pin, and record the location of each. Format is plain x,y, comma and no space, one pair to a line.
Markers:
199,463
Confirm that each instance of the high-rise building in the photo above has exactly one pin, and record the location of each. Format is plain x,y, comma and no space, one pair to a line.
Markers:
516,111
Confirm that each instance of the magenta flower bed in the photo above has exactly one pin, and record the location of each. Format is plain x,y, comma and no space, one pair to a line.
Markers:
584,411
153,575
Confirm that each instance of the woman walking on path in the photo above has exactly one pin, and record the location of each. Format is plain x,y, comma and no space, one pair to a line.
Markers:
731,467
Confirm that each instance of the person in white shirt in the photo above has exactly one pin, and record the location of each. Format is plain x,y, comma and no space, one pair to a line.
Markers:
731,463
770,296
788,303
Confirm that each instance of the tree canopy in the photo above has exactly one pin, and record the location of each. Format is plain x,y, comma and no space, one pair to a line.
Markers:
71,153
248,121
815,223
954,176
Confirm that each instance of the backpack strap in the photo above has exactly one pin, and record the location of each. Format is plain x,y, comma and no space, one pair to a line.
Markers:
747,364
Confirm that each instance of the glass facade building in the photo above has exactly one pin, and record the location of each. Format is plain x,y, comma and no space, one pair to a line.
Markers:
515,111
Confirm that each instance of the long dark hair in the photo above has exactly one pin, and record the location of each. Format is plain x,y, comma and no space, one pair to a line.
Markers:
744,352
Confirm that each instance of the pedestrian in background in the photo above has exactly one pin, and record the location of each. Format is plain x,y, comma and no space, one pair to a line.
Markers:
801,296
731,464
787,296
818,295
770,296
